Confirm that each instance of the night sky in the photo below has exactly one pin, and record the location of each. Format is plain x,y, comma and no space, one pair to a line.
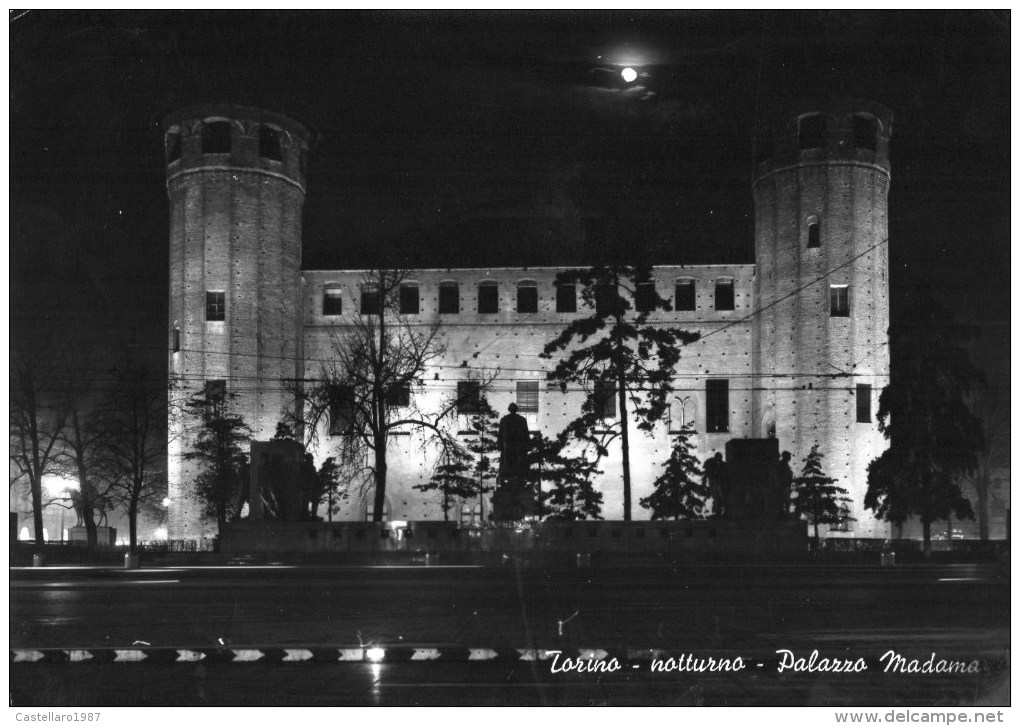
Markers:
506,138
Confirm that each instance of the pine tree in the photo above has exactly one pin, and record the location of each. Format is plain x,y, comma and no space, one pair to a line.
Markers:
218,450
818,499
571,496
680,491
453,478
625,362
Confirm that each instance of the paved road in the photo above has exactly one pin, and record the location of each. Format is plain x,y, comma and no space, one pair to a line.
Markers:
961,613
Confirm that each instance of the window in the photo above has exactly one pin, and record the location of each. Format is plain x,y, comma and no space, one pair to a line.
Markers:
724,294
814,237
471,515
371,300
684,296
341,410
811,131
863,403
839,301
527,396
215,306
449,298
216,137
409,301
527,296
865,132
370,513
845,518
606,299
682,414
644,297
269,144
566,297
398,396
332,301
215,398
177,340
488,297
469,397
604,399
173,147
717,403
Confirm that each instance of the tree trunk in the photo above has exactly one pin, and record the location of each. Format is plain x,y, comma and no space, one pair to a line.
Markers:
380,478
132,525
982,484
926,527
37,509
624,444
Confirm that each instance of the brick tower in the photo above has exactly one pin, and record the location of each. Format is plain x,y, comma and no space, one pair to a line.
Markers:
821,353
236,185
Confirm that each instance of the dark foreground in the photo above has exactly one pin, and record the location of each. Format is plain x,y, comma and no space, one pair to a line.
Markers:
483,636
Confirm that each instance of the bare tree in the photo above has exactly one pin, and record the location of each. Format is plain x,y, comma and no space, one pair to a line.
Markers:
132,429
365,391
38,417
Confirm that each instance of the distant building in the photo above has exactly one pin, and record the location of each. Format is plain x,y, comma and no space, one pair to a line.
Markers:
793,346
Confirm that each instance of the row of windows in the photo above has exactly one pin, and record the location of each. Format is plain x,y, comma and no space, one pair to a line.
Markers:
527,299
811,130
606,298
216,139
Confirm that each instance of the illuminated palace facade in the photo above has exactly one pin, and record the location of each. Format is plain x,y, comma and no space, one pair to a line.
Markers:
793,346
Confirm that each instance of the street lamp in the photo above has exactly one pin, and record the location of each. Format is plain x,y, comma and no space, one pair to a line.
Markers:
629,74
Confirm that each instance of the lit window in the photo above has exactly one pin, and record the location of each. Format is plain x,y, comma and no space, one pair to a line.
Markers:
409,304
215,306
845,520
604,399
269,144
717,405
863,403
527,396
684,295
449,298
724,295
527,296
371,300
332,301
865,132
216,137
814,236
469,397
839,301
566,298
644,297
488,297
398,396
811,131
173,147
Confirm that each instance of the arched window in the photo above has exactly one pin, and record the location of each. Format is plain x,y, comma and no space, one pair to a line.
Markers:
449,298
216,137
865,131
173,146
814,236
724,296
176,338
488,297
409,299
332,300
684,295
269,143
811,131
683,414
644,297
527,296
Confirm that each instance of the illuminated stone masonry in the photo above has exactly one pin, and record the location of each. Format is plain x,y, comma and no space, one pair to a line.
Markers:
793,346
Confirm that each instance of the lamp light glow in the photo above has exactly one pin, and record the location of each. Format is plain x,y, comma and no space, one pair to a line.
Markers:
375,654
629,74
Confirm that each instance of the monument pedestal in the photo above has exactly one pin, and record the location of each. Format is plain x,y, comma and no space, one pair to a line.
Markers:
105,536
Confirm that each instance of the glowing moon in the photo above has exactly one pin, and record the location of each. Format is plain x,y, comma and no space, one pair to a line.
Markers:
629,75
